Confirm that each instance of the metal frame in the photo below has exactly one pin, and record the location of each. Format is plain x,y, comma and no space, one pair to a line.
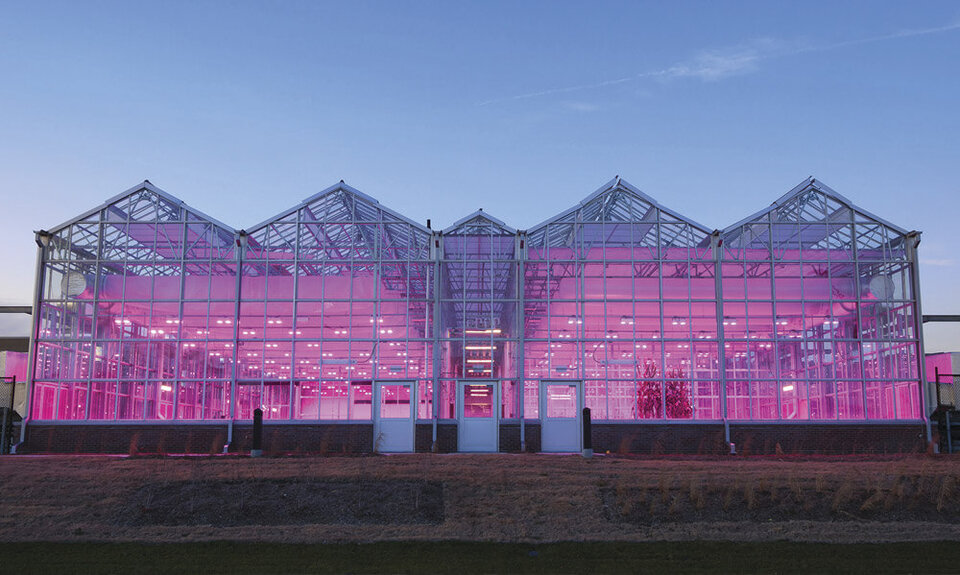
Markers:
496,385
578,418
474,284
377,386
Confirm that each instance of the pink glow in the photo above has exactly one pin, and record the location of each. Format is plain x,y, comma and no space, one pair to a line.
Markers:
15,365
162,330
478,400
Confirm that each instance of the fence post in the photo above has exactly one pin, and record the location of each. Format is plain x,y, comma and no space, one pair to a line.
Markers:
4,432
7,388
257,450
587,434
936,382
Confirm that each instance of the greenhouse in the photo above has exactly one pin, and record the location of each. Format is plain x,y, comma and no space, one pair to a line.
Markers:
354,328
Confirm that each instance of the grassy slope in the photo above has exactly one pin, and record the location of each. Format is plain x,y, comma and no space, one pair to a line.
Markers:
531,499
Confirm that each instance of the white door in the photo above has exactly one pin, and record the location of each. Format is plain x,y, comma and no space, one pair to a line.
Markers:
561,403
394,416
478,410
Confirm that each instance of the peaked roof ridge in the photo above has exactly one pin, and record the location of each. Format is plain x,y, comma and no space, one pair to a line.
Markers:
340,186
618,184
811,183
623,184
148,186
480,214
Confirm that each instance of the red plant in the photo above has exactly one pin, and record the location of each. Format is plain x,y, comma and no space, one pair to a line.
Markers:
649,404
678,395
649,401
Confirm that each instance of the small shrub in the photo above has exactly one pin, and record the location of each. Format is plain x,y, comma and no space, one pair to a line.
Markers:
728,498
841,497
675,505
750,494
664,486
874,500
796,487
946,490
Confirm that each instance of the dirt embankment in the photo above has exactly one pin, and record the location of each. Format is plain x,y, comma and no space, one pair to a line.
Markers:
531,498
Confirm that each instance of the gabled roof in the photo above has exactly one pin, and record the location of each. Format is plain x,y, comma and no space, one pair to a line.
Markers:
815,216
367,208
331,225
819,212
479,223
167,199
793,199
637,217
617,201
144,224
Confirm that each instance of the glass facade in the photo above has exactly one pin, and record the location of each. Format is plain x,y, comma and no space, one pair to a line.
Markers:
152,311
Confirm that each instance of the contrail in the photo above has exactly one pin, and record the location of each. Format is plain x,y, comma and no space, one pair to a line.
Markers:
722,63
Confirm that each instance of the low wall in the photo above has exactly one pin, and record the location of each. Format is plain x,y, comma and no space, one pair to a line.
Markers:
621,438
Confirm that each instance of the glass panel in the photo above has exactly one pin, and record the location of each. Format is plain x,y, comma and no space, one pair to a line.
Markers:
531,400
447,400
395,401
333,400
679,403
361,399
908,399
478,400
706,397
595,397
216,400
73,399
880,400
248,399
622,399
103,400
189,400
276,400
561,401
425,403
793,404
508,400
850,400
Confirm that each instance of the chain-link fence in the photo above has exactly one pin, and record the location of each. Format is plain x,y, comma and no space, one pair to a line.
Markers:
7,415
948,390
7,385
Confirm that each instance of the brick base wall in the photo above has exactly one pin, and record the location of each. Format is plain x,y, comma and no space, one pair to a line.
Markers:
651,439
531,434
446,438
829,439
307,438
658,439
129,439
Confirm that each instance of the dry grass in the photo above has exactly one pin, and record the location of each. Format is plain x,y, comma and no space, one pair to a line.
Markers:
531,498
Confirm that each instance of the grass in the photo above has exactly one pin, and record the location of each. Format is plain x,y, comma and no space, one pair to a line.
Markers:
464,558
532,499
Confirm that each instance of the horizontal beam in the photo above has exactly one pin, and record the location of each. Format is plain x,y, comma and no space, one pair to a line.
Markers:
941,318
20,344
16,309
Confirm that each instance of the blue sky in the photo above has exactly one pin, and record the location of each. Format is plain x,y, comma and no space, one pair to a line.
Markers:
243,109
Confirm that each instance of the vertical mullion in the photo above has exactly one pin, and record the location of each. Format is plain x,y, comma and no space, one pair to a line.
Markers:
291,415
175,402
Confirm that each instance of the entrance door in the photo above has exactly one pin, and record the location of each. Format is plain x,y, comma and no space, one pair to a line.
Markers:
394,416
560,407
478,410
